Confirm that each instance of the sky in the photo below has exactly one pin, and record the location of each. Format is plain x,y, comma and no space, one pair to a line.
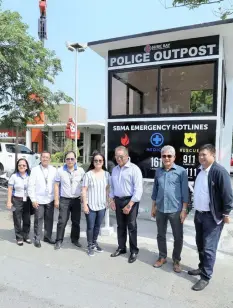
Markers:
91,20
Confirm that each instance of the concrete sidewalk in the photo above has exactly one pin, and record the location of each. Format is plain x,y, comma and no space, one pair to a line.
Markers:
44,278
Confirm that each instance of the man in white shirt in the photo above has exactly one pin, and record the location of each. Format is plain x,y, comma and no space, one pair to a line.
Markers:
213,203
41,193
68,188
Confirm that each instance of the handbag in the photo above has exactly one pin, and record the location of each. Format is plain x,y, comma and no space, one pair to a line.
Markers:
32,209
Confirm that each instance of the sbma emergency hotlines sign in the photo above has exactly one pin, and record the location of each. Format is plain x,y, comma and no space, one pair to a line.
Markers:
146,139
192,48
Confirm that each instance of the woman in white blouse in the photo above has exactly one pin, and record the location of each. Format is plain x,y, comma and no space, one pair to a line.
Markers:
19,202
95,188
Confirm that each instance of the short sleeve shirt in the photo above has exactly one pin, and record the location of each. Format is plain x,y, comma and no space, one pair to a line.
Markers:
96,190
19,184
70,182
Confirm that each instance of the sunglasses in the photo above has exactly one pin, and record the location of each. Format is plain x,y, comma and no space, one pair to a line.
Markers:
22,165
98,161
70,159
166,156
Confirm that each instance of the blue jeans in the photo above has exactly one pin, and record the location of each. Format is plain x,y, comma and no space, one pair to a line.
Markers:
94,221
207,237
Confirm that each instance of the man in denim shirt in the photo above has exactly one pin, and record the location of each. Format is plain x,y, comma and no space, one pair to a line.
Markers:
170,201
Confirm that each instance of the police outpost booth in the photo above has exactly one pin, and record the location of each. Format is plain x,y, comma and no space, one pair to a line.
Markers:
170,87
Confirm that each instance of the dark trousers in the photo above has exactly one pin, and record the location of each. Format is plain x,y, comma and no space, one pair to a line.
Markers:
94,221
126,221
177,231
66,207
207,237
44,214
21,218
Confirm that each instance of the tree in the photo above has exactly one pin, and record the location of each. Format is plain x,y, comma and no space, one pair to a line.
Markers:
192,4
24,63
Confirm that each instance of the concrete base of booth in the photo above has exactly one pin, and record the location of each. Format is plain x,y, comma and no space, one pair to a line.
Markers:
106,231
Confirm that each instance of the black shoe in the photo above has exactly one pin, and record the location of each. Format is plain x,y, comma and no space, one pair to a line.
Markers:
27,240
37,244
132,257
57,245
195,272
200,285
19,242
118,252
76,243
49,240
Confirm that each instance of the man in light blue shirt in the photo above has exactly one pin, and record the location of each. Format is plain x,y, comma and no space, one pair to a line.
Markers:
126,193
170,200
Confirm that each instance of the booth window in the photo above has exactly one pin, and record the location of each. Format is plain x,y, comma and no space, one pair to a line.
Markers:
134,92
187,89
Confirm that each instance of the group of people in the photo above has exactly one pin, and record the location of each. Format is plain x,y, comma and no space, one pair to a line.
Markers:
69,188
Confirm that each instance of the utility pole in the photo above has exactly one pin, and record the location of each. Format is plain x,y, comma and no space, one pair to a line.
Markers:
42,33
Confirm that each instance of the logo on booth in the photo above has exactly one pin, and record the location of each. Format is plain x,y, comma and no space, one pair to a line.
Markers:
157,139
147,49
125,140
190,139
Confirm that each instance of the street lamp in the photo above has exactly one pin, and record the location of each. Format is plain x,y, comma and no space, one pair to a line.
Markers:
77,47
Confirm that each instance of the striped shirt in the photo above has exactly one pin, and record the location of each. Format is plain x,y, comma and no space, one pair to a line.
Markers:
96,190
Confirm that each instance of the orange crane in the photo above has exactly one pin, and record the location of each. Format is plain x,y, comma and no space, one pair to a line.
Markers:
42,23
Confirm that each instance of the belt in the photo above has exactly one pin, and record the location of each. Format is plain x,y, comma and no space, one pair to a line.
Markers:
70,198
18,198
202,212
122,198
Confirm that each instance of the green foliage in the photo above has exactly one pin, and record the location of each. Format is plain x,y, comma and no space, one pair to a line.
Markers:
24,63
192,4
201,101
57,157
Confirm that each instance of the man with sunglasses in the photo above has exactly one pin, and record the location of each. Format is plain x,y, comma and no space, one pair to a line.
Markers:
68,188
170,200
126,193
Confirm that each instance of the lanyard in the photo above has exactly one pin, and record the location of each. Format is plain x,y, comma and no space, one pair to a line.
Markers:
25,185
45,177
71,177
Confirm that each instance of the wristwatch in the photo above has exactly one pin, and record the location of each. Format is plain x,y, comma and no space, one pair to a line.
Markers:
185,210
128,206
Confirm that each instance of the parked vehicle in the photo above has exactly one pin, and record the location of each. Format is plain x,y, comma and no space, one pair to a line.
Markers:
7,156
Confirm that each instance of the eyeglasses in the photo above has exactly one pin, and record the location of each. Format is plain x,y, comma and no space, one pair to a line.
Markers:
22,165
98,161
166,156
120,157
71,159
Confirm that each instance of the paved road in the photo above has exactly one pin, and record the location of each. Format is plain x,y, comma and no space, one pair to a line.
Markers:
44,278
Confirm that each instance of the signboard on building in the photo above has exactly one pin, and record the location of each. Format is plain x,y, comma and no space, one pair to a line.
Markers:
145,140
176,50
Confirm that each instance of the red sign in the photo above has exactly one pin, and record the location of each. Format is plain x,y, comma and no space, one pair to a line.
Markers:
70,130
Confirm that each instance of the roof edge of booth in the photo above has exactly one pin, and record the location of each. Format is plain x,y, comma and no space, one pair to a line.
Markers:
162,31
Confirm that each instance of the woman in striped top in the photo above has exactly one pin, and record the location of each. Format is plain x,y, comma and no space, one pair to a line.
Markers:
95,188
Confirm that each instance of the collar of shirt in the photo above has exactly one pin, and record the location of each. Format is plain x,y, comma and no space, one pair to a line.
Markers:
18,174
127,165
206,170
66,168
174,166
